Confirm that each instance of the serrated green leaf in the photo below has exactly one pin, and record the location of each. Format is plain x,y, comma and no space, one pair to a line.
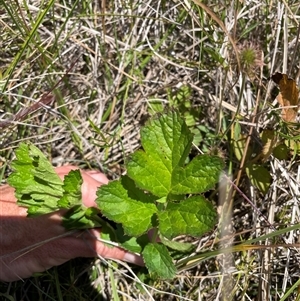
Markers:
36,184
159,168
167,142
194,216
200,175
158,260
115,204
72,190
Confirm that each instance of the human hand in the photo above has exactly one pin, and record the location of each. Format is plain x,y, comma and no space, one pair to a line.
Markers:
35,244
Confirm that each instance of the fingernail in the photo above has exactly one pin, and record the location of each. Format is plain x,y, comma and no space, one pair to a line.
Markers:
133,258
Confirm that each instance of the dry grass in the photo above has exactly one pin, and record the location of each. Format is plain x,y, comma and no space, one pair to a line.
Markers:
118,61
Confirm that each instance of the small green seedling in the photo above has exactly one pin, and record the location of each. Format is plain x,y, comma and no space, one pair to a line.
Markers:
160,194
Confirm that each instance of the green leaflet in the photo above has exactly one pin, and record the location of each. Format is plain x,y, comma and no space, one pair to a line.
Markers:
37,185
39,188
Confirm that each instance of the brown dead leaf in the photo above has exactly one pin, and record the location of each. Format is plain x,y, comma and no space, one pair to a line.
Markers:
288,97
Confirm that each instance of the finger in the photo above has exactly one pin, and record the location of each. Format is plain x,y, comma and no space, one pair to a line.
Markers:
95,174
98,176
89,189
115,252
91,182
87,244
64,170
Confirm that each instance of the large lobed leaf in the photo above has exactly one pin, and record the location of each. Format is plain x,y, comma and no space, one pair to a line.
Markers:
160,167
154,194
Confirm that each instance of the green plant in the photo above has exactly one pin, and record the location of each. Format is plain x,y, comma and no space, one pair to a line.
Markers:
159,192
